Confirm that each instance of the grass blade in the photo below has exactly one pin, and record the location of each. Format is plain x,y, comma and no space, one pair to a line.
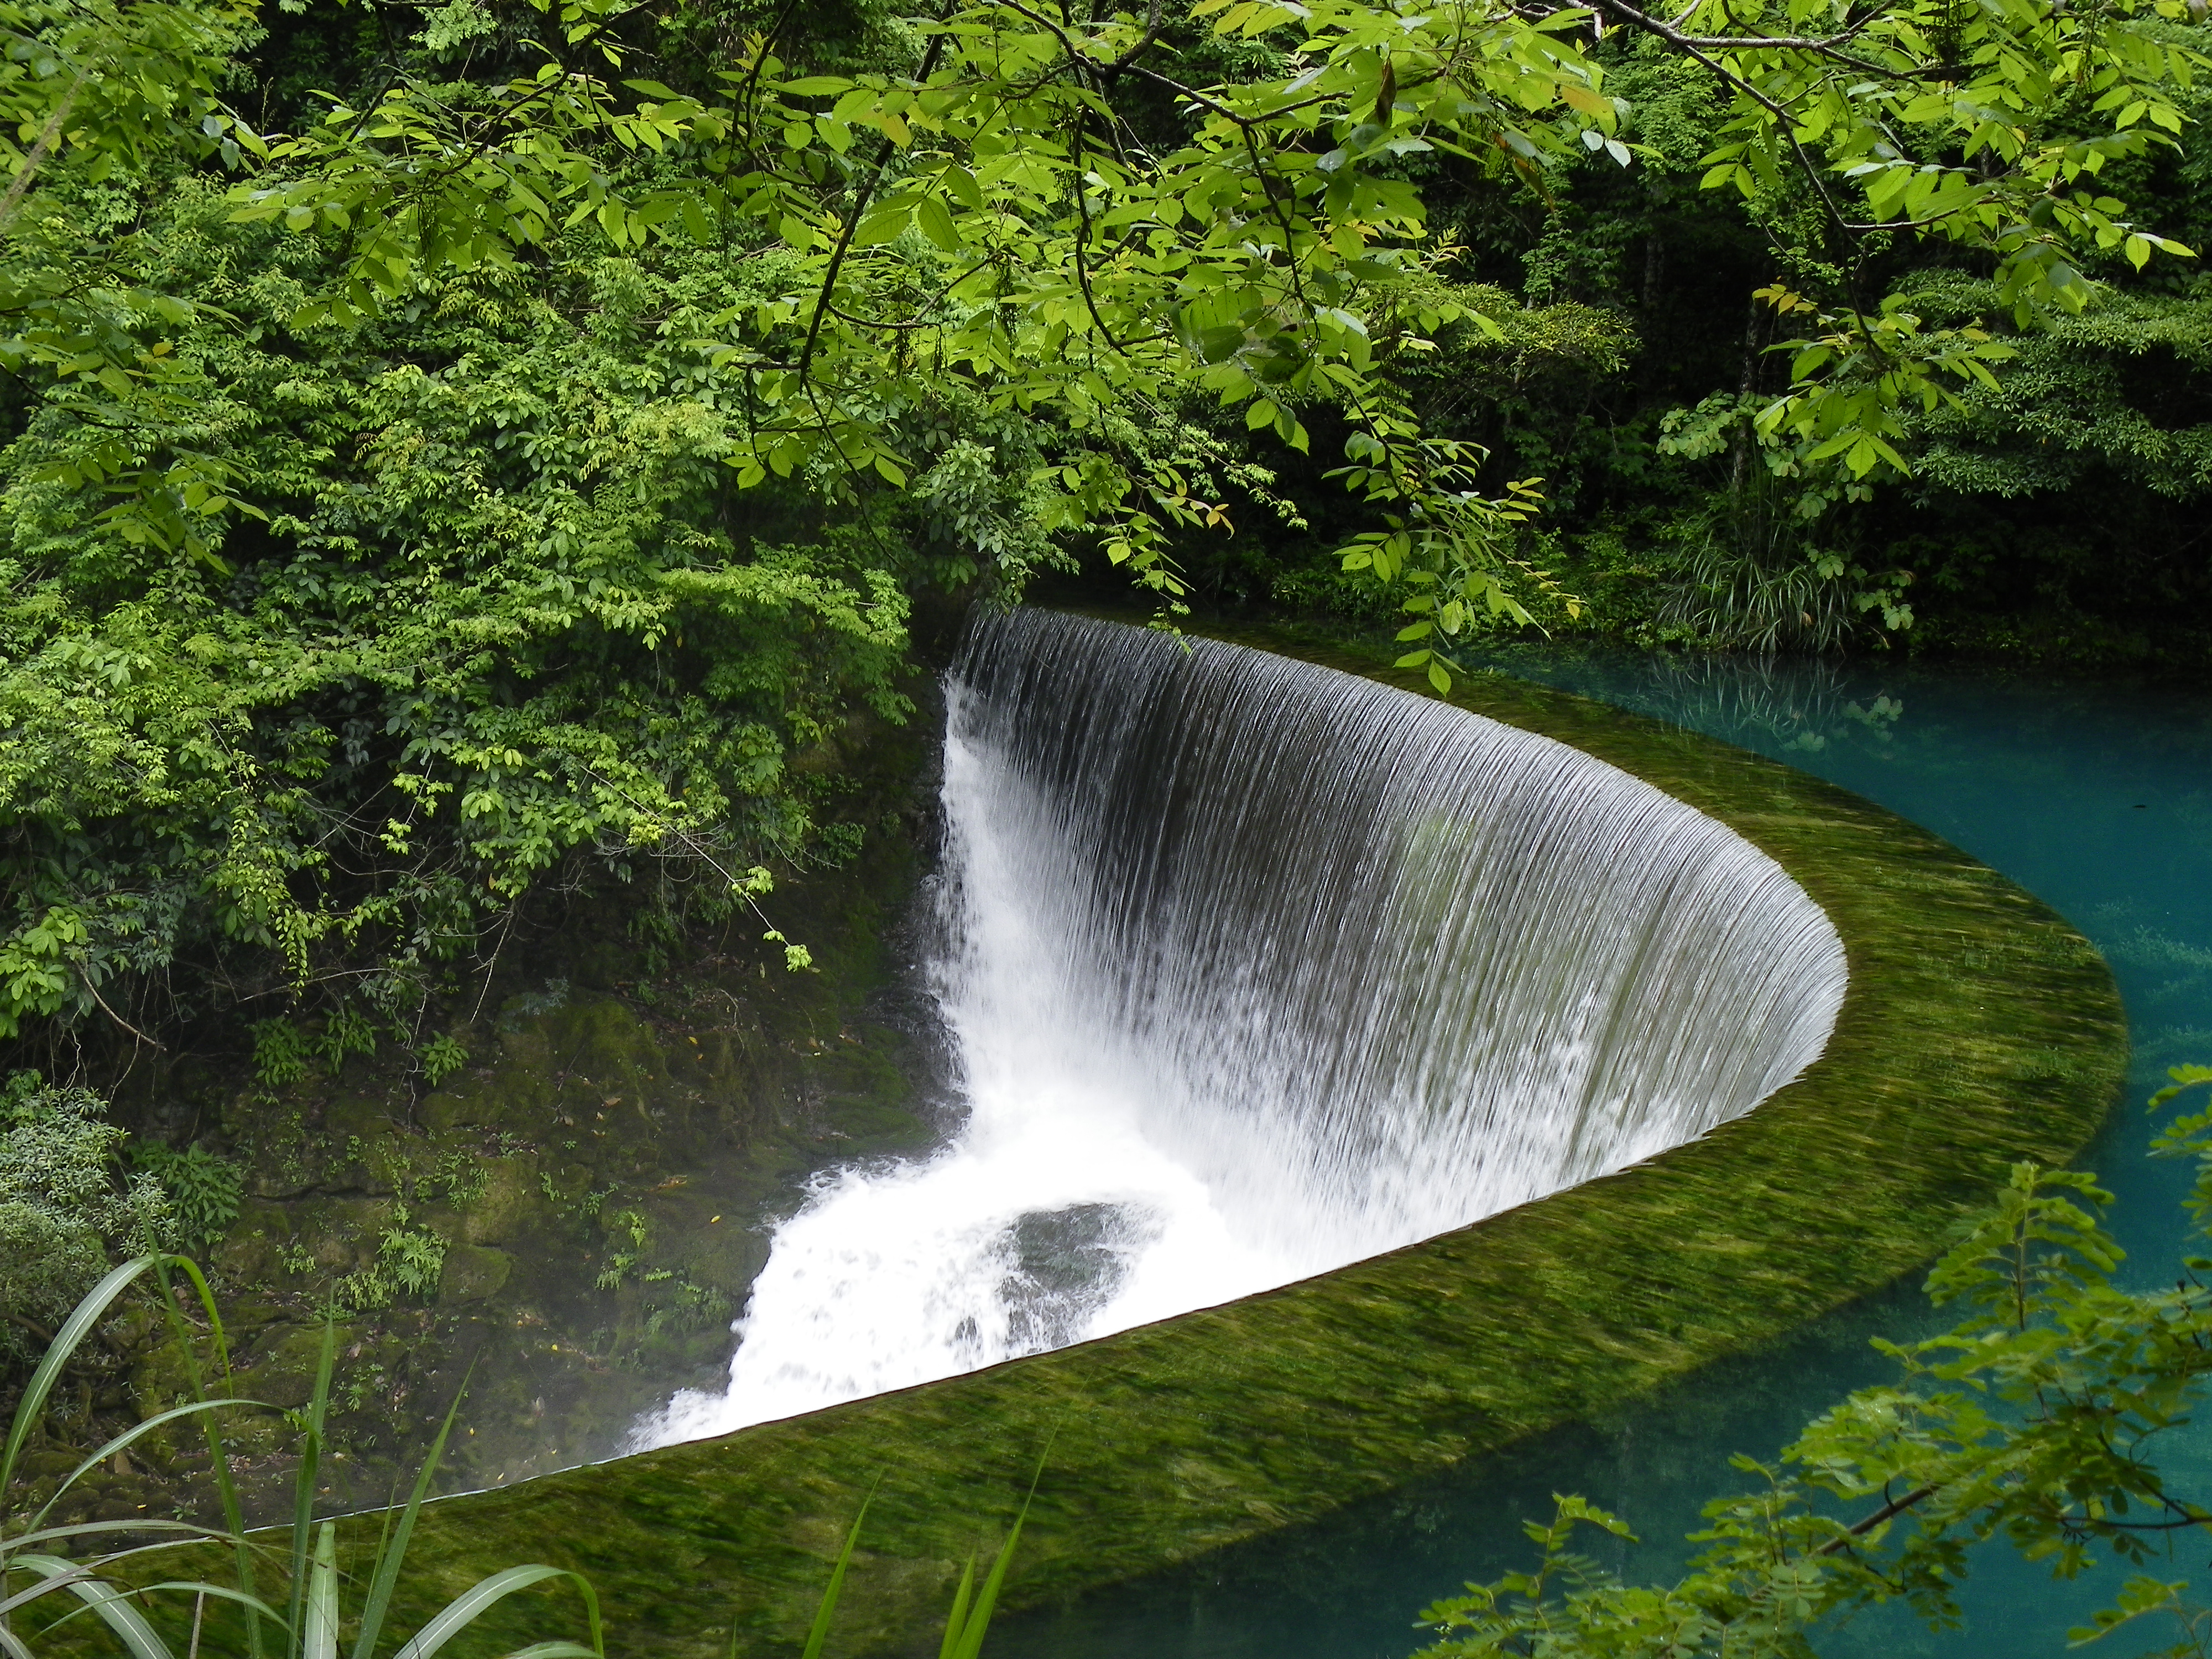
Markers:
392,1552
553,1650
185,1532
971,1638
956,1624
470,1604
820,1633
303,1486
226,1487
979,1622
214,1593
319,1605
73,1330
81,1570
47,1584
115,1609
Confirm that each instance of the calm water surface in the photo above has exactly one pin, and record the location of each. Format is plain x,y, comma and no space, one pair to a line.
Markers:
2097,800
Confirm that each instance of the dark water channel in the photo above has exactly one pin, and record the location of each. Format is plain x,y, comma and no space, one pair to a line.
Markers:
2097,799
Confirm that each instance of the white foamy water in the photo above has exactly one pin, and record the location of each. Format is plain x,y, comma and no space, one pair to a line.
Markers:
1254,969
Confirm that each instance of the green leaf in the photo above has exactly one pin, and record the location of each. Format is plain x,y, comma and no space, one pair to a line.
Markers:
319,1609
956,1623
935,221
818,1633
392,1552
882,224
480,1597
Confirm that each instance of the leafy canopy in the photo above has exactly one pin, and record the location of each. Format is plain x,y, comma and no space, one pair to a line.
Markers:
521,460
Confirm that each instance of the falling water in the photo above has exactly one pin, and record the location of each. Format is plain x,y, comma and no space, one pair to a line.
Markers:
1256,968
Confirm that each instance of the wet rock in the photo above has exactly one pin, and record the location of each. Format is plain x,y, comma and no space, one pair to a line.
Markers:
252,1252
360,1115
1067,1264
283,1373
343,1233
473,1273
512,1199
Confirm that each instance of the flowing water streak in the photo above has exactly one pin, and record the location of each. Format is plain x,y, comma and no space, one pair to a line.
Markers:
1256,969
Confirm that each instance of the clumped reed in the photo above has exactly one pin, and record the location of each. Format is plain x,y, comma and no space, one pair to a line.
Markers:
284,1595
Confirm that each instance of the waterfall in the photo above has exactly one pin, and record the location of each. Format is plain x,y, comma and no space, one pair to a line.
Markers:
1254,969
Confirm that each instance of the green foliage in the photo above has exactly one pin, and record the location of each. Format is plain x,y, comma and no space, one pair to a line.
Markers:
203,1189
934,200
94,99
1455,570
410,1260
380,542
442,1056
346,1031
1853,384
281,1052
626,1231
64,1207
2075,485
2035,1419
579,656
94,1564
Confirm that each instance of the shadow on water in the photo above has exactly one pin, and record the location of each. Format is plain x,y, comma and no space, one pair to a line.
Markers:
2099,800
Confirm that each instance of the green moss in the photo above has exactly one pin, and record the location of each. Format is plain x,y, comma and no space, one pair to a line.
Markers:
1979,1029
473,1273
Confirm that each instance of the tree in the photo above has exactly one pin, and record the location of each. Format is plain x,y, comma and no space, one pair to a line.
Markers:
371,481
992,214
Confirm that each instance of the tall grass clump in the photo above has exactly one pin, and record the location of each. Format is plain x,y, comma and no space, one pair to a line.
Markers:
287,1596
290,1608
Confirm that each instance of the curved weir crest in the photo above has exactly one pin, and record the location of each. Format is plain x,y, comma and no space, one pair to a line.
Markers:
1256,969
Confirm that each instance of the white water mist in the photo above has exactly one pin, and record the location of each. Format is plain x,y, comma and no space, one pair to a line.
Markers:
1256,968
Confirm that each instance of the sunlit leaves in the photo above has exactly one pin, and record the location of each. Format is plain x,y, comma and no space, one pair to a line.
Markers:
1457,551
984,216
1952,121
1853,384
981,218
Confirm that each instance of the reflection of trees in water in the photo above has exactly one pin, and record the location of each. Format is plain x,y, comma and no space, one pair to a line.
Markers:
1796,703
1802,704
2168,980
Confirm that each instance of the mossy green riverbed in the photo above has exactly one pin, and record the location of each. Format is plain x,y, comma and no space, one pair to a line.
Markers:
1979,1029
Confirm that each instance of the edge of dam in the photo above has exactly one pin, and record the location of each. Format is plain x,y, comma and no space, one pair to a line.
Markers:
1979,1029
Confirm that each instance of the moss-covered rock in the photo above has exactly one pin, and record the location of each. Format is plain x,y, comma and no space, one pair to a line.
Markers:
282,1372
474,1272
